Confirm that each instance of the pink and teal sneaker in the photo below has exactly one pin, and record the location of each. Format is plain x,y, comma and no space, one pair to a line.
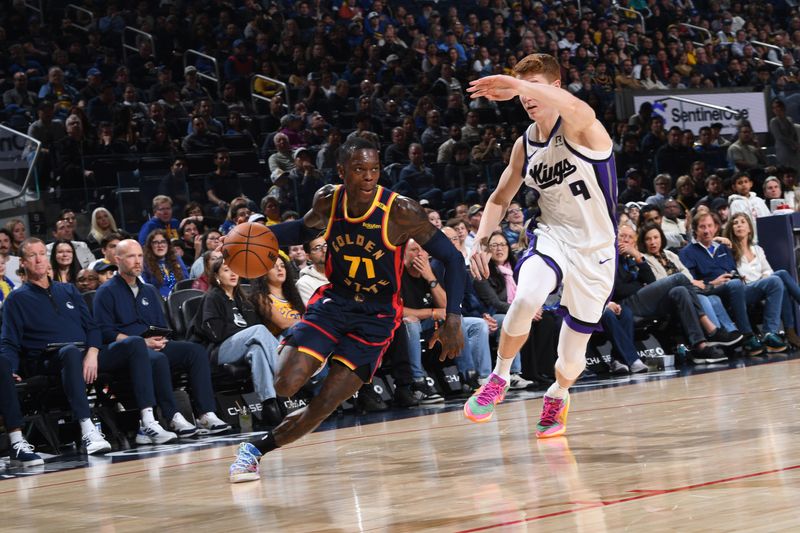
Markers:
480,407
245,468
553,422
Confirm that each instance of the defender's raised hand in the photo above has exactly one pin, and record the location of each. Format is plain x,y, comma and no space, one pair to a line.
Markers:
498,87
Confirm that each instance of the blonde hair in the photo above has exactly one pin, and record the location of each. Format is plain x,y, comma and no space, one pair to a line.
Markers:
96,232
543,64
161,199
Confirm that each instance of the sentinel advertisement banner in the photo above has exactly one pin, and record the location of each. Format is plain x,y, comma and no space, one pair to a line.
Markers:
693,117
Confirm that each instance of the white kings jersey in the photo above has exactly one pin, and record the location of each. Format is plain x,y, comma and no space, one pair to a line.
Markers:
577,189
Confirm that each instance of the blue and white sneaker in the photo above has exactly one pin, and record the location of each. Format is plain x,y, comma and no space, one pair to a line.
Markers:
22,455
245,467
153,433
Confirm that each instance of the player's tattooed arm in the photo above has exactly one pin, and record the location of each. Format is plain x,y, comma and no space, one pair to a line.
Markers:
407,220
312,223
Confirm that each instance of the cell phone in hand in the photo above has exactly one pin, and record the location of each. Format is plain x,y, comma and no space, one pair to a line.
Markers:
155,331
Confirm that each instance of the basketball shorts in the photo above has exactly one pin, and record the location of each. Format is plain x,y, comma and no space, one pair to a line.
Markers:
355,334
586,277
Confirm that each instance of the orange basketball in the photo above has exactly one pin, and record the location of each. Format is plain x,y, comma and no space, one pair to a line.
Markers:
250,250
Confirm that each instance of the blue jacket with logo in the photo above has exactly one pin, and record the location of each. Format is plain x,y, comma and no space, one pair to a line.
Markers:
118,311
702,265
34,317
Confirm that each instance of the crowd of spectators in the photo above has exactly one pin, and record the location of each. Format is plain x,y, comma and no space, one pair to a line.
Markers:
396,74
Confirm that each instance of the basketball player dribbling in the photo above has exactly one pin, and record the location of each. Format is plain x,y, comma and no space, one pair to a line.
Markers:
566,157
352,319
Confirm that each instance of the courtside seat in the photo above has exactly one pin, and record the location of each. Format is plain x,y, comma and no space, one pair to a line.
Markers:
184,284
174,303
43,404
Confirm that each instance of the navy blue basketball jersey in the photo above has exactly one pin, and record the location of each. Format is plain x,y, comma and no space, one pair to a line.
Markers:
361,263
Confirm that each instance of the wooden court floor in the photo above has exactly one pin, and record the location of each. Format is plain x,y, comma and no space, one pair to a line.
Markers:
709,452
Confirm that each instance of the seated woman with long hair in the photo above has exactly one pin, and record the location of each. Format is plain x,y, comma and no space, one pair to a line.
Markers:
162,267
752,265
103,225
652,242
64,262
232,330
277,299
498,290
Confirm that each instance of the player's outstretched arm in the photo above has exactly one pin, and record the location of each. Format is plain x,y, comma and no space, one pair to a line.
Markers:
307,228
579,118
495,210
407,220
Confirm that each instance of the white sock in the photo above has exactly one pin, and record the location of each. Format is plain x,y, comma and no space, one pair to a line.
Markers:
147,416
557,391
86,426
502,367
15,436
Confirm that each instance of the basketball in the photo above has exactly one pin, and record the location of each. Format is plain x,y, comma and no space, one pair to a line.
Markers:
250,250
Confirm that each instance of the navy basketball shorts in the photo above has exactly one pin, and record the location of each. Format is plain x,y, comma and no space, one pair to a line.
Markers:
355,334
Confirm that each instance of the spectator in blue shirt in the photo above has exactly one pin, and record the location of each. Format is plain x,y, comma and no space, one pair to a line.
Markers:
126,308
56,88
162,219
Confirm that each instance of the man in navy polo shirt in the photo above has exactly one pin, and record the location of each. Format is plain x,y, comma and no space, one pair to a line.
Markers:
48,329
125,307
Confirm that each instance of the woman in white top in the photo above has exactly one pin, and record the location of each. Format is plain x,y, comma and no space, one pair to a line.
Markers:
652,243
483,63
649,80
752,265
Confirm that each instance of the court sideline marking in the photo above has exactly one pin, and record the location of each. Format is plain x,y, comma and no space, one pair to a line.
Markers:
648,494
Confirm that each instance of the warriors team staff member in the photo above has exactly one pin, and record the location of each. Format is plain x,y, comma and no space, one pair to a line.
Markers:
353,318
42,312
125,307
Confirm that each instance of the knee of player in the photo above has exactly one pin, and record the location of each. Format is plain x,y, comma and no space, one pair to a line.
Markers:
524,307
570,368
